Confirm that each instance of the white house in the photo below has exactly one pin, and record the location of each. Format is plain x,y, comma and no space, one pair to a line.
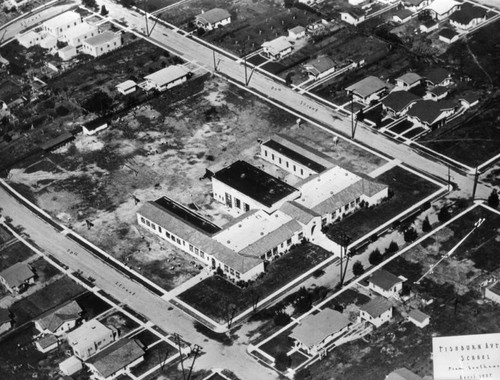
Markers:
76,35
403,15
17,277
431,114
90,338
297,32
58,25
46,343
60,321
448,35
368,89
429,26
418,318
492,292
29,39
278,48
320,67
469,100
116,360
127,87
441,9
315,331
167,77
416,5
354,16
436,93
468,17
386,284
67,52
356,2
70,366
377,312
397,103
102,43
213,18
408,80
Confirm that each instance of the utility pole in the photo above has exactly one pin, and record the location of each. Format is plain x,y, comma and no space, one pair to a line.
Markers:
476,179
178,341
196,350
353,129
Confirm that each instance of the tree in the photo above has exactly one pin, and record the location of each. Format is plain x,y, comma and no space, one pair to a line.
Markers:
392,248
283,361
426,225
99,103
357,268
493,199
281,318
444,214
254,295
104,11
288,79
410,235
375,257
303,301
89,4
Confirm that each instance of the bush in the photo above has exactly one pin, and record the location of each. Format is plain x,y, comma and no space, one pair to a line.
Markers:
62,111
393,247
283,361
426,225
281,319
444,214
410,235
493,200
357,268
375,257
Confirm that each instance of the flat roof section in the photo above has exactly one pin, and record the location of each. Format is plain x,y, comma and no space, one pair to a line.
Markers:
295,156
255,183
187,215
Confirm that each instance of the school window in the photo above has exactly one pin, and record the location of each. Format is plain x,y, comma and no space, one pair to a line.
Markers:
142,220
265,153
301,235
289,242
358,200
280,160
275,250
167,234
287,164
183,243
301,172
153,226
272,156
101,48
159,229
202,254
294,168
147,223
178,241
191,247
237,274
231,271
226,268
281,245
247,207
196,250
237,202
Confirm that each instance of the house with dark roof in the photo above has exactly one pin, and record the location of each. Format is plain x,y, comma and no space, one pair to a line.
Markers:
5,320
386,284
431,114
436,93
448,35
214,18
116,360
319,67
402,374
416,5
397,103
368,89
278,48
469,100
408,80
315,331
376,312
403,15
60,321
46,343
438,77
468,17
17,277
419,318
353,16
429,26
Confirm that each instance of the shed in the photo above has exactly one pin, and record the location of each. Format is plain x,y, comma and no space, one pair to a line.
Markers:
70,366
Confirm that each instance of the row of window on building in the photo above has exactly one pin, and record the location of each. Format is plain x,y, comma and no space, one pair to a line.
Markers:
286,163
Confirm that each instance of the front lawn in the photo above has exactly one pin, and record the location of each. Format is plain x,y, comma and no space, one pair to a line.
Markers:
280,343
13,254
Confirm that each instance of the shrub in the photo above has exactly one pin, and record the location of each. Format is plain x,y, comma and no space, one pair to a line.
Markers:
357,268
493,200
444,214
281,319
375,257
283,361
426,225
410,235
62,111
393,247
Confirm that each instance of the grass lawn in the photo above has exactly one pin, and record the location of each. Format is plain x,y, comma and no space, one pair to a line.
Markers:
120,322
154,356
407,189
44,270
13,254
45,299
348,297
280,343
146,337
213,295
92,305
4,235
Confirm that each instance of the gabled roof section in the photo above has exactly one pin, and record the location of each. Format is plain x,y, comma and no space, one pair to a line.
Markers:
376,307
118,356
298,212
437,75
356,13
409,78
439,90
403,13
384,280
399,100
101,38
213,15
64,18
297,29
467,13
167,75
441,7
17,274
367,86
320,65
4,316
428,111
448,33
52,321
277,45
418,315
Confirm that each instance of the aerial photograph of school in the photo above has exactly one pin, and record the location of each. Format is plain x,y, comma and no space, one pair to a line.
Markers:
250,189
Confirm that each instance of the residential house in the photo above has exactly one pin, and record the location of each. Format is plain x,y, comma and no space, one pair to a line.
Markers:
438,77
96,125
17,277
353,16
397,103
368,89
315,331
76,35
419,318
416,5
429,26
68,52
70,366
320,67
17,4
492,292
46,343
402,374
242,187
278,48
448,35
297,32
29,39
58,25
102,43
436,93
469,100
408,80
441,9
403,15
167,77
5,320
60,321
377,311
386,284
431,114
90,338
468,17
116,360
212,19
356,2
127,87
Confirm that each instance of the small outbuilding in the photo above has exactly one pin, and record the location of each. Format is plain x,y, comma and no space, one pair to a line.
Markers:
448,35
419,318
127,87
70,366
46,343
278,48
297,32
376,312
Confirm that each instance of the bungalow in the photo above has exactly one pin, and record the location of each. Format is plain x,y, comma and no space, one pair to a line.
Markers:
116,360
320,67
315,331
353,16
431,114
419,318
17,277
297,32
70,366
127,87
438,77
408,80
416,5
377,311
397,103
440,9
5,320
448,35
168,77
437,93
368,89
468,17
61,320
386,284
47,343
402,374
212,19
403,15
278,48
429,26
66,53
90,338
492,292
58,25
102,43
76,35
469,100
